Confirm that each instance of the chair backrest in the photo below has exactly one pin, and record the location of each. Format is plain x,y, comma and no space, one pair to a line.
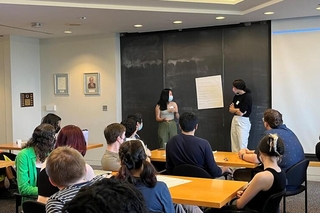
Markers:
190,171
30,206
318,150
272,203
297,174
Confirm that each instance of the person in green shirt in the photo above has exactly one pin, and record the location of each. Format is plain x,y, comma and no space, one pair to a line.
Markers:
30,158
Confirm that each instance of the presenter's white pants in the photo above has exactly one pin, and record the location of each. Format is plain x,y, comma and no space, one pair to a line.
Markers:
240,128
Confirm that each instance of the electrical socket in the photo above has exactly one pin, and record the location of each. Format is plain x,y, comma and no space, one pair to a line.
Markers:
104,108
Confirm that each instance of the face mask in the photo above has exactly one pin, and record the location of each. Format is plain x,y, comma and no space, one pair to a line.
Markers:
170,98
140,126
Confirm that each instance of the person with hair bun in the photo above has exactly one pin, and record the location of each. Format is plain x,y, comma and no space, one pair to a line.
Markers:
272,121
241,108
266,183
138,171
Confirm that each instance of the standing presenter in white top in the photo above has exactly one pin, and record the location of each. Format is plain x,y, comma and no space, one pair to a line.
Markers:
165,111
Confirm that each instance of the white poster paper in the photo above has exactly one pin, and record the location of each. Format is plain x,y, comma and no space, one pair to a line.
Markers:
209,92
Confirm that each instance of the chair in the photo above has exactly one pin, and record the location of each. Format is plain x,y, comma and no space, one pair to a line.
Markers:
31,206
318,150
190,170
270,206
296,176
19,198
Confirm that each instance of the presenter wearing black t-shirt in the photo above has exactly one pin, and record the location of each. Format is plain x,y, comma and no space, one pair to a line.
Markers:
241,107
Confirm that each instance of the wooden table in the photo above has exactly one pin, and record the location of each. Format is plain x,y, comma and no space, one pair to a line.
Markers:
12,146
205,192
230,159
4,163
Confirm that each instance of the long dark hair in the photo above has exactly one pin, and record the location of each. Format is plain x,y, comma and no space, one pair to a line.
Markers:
132,157
52,119
164,99
42,140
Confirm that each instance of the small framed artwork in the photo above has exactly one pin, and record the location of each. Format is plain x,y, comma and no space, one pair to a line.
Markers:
26,99
91,83
61,84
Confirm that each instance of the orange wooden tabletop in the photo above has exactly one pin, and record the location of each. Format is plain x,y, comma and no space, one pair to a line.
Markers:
222,158
205,192
12,146
4,163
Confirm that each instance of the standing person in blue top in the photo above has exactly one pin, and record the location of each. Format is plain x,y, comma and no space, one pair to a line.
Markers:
137,170
272,120
186,148
166,110
241,108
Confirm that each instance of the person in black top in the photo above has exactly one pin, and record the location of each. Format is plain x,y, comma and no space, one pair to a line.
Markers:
241,107
266,183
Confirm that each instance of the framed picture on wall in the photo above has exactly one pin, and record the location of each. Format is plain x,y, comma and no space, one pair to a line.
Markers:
61,84
91,83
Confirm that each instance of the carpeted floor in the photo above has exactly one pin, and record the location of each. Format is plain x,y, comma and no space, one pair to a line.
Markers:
295,204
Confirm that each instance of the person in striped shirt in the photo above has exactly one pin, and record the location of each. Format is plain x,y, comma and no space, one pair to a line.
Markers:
66,169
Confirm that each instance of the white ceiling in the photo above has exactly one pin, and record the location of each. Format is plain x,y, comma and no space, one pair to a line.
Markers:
119,16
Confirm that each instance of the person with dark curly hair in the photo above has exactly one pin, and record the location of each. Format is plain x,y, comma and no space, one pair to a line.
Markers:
52,119
71,136
107,196
30,158
272,120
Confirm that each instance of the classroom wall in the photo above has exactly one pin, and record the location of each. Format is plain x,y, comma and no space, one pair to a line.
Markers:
25,78
5,92
76,56
295,76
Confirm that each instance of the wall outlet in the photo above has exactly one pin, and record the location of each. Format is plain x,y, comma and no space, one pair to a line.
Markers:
104,108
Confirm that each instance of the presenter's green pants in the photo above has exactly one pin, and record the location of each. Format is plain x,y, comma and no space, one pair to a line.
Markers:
166,130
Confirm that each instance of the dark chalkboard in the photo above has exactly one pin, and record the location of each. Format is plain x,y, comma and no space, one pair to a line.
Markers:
153,61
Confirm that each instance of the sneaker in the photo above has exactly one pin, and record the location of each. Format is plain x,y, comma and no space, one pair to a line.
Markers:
5,193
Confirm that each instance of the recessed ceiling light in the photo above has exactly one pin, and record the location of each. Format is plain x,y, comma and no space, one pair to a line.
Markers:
318,8
177,22
67,31
83,18
220,17
137,25
269,13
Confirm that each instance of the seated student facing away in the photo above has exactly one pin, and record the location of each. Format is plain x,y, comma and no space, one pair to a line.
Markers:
66,169
186,148
272,120
29,160
71,136
115,136
107,196
266,183
137,171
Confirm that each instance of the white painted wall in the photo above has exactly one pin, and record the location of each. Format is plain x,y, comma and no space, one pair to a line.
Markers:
76,56
295,76
25,78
